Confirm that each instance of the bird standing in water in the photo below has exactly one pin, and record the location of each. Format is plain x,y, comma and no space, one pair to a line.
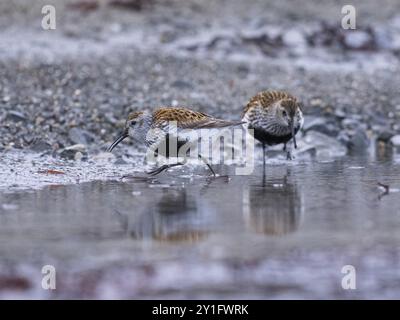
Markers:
275,117
155,128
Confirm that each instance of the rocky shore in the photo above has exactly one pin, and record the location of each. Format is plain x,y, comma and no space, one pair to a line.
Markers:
68,91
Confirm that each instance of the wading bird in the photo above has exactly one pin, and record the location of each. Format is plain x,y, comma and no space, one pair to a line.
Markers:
275,117
154,129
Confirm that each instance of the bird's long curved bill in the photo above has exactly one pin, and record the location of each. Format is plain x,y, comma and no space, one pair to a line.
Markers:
293,136
121,137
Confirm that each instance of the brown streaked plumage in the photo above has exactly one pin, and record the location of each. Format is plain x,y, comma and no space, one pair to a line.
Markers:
265,99
189,119
153,128
275,117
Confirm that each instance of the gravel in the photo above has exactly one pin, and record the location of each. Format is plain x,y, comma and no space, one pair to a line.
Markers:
77,84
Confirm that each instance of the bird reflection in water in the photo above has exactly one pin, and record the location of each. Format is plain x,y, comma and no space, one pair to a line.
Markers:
274,208
174,217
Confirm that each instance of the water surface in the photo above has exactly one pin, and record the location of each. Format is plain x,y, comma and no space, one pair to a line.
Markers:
284,234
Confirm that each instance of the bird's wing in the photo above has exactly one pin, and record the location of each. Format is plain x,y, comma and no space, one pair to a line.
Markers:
189,119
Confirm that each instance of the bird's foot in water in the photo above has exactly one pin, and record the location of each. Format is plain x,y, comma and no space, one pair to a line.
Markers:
289,156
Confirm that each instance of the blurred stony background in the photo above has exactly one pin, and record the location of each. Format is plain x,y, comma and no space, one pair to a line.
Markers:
74,85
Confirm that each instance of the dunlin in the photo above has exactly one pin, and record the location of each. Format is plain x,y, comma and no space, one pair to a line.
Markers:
275,117
154,128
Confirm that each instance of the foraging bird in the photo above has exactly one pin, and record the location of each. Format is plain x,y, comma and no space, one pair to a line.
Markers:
275,117
163,126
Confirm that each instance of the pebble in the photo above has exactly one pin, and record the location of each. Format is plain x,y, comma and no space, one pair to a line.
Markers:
324,145
384,134
320,124
358,40
395,140
71,151
80,136
78,156
15,116
40,146
358,141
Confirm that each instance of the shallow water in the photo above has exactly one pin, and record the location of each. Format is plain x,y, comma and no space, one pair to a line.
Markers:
285,235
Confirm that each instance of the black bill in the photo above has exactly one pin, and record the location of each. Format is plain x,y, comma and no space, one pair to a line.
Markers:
121,137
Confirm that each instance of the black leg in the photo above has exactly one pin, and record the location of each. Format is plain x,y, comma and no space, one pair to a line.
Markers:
288,152
264,147
207,164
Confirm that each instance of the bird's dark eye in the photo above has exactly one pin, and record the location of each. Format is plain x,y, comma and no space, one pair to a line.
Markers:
284,113
133,123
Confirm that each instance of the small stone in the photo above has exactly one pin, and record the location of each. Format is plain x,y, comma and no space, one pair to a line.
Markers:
351,124
321,125
294,38
340,114
80,136
120,161
358,40
40,146
77,147
316,102
104,156
309,150
383,134
181,84
70,152
78,156
359,141
324,145
16,116
395,140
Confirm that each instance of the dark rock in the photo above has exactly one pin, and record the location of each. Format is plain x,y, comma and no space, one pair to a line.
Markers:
329,35
15,116
323,125
135,5
120,161
70,153
28,138
384,134
84,5
351,124
340,114
40,146
324,145
310,151
266,41
181,84
80,136
358,141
